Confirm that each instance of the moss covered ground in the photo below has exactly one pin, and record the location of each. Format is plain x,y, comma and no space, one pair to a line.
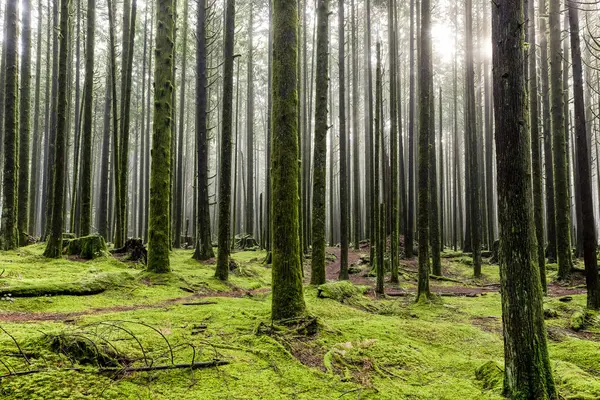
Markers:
367,348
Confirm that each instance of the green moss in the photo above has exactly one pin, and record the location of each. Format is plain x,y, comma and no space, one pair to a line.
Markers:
382,349
491,375
577,321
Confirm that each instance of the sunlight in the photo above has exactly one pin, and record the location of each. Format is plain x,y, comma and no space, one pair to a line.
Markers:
442,36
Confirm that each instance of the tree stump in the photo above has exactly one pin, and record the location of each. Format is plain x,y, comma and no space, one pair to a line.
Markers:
88,247
135,248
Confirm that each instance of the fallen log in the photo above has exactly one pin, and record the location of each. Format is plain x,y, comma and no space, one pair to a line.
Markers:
194,365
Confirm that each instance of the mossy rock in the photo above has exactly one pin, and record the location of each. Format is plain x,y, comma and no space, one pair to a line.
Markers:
577,321
491,375
339,291
88,247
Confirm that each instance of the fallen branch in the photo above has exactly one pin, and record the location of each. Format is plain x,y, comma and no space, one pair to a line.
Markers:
195,365
446,279
199,303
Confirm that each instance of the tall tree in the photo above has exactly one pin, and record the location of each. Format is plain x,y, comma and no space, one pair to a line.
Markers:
471,130
204,248
559,145
369,167
288,298
86,148
224,248
103,201
160,171
10,239
536,158
54,245
588,230
320,146
393,142
249,223
548,156
410,226
425,86
344,217
129,16
24,125
37,133
356,203
527,373
179,184
378,220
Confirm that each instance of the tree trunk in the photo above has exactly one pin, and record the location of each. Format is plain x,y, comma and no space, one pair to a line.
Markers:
54,245
288,298
344,217
393,143
410,226
320,147
10,238
425,85
160,172
538,206
378,220
179,184
587,230
249,223
559,146
222,270
86,153
37,134
356,203
471,129
204,248
527,373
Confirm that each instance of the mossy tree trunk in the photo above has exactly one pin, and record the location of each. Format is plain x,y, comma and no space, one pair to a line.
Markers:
37,133
527,373
178,207
86,148
588,230
356,203
369,167
249,223
224,247
381,239
548,157
344,217
24,125
160,171
471,129
441,176
377,164
536,158
50,151
320,146
204,248
393,143
434,220
410,226
54,245
288,298
425,85
129,17
103,200
559,146
10,238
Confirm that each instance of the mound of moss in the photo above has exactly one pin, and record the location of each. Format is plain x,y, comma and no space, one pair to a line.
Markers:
88,286
491,375
340,291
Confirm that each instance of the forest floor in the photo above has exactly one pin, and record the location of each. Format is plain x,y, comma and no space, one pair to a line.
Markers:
353,345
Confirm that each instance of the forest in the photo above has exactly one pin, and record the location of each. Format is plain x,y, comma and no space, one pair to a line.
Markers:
300,199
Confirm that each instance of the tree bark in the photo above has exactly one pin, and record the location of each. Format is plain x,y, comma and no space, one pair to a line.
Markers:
527,373
160,171
288,298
